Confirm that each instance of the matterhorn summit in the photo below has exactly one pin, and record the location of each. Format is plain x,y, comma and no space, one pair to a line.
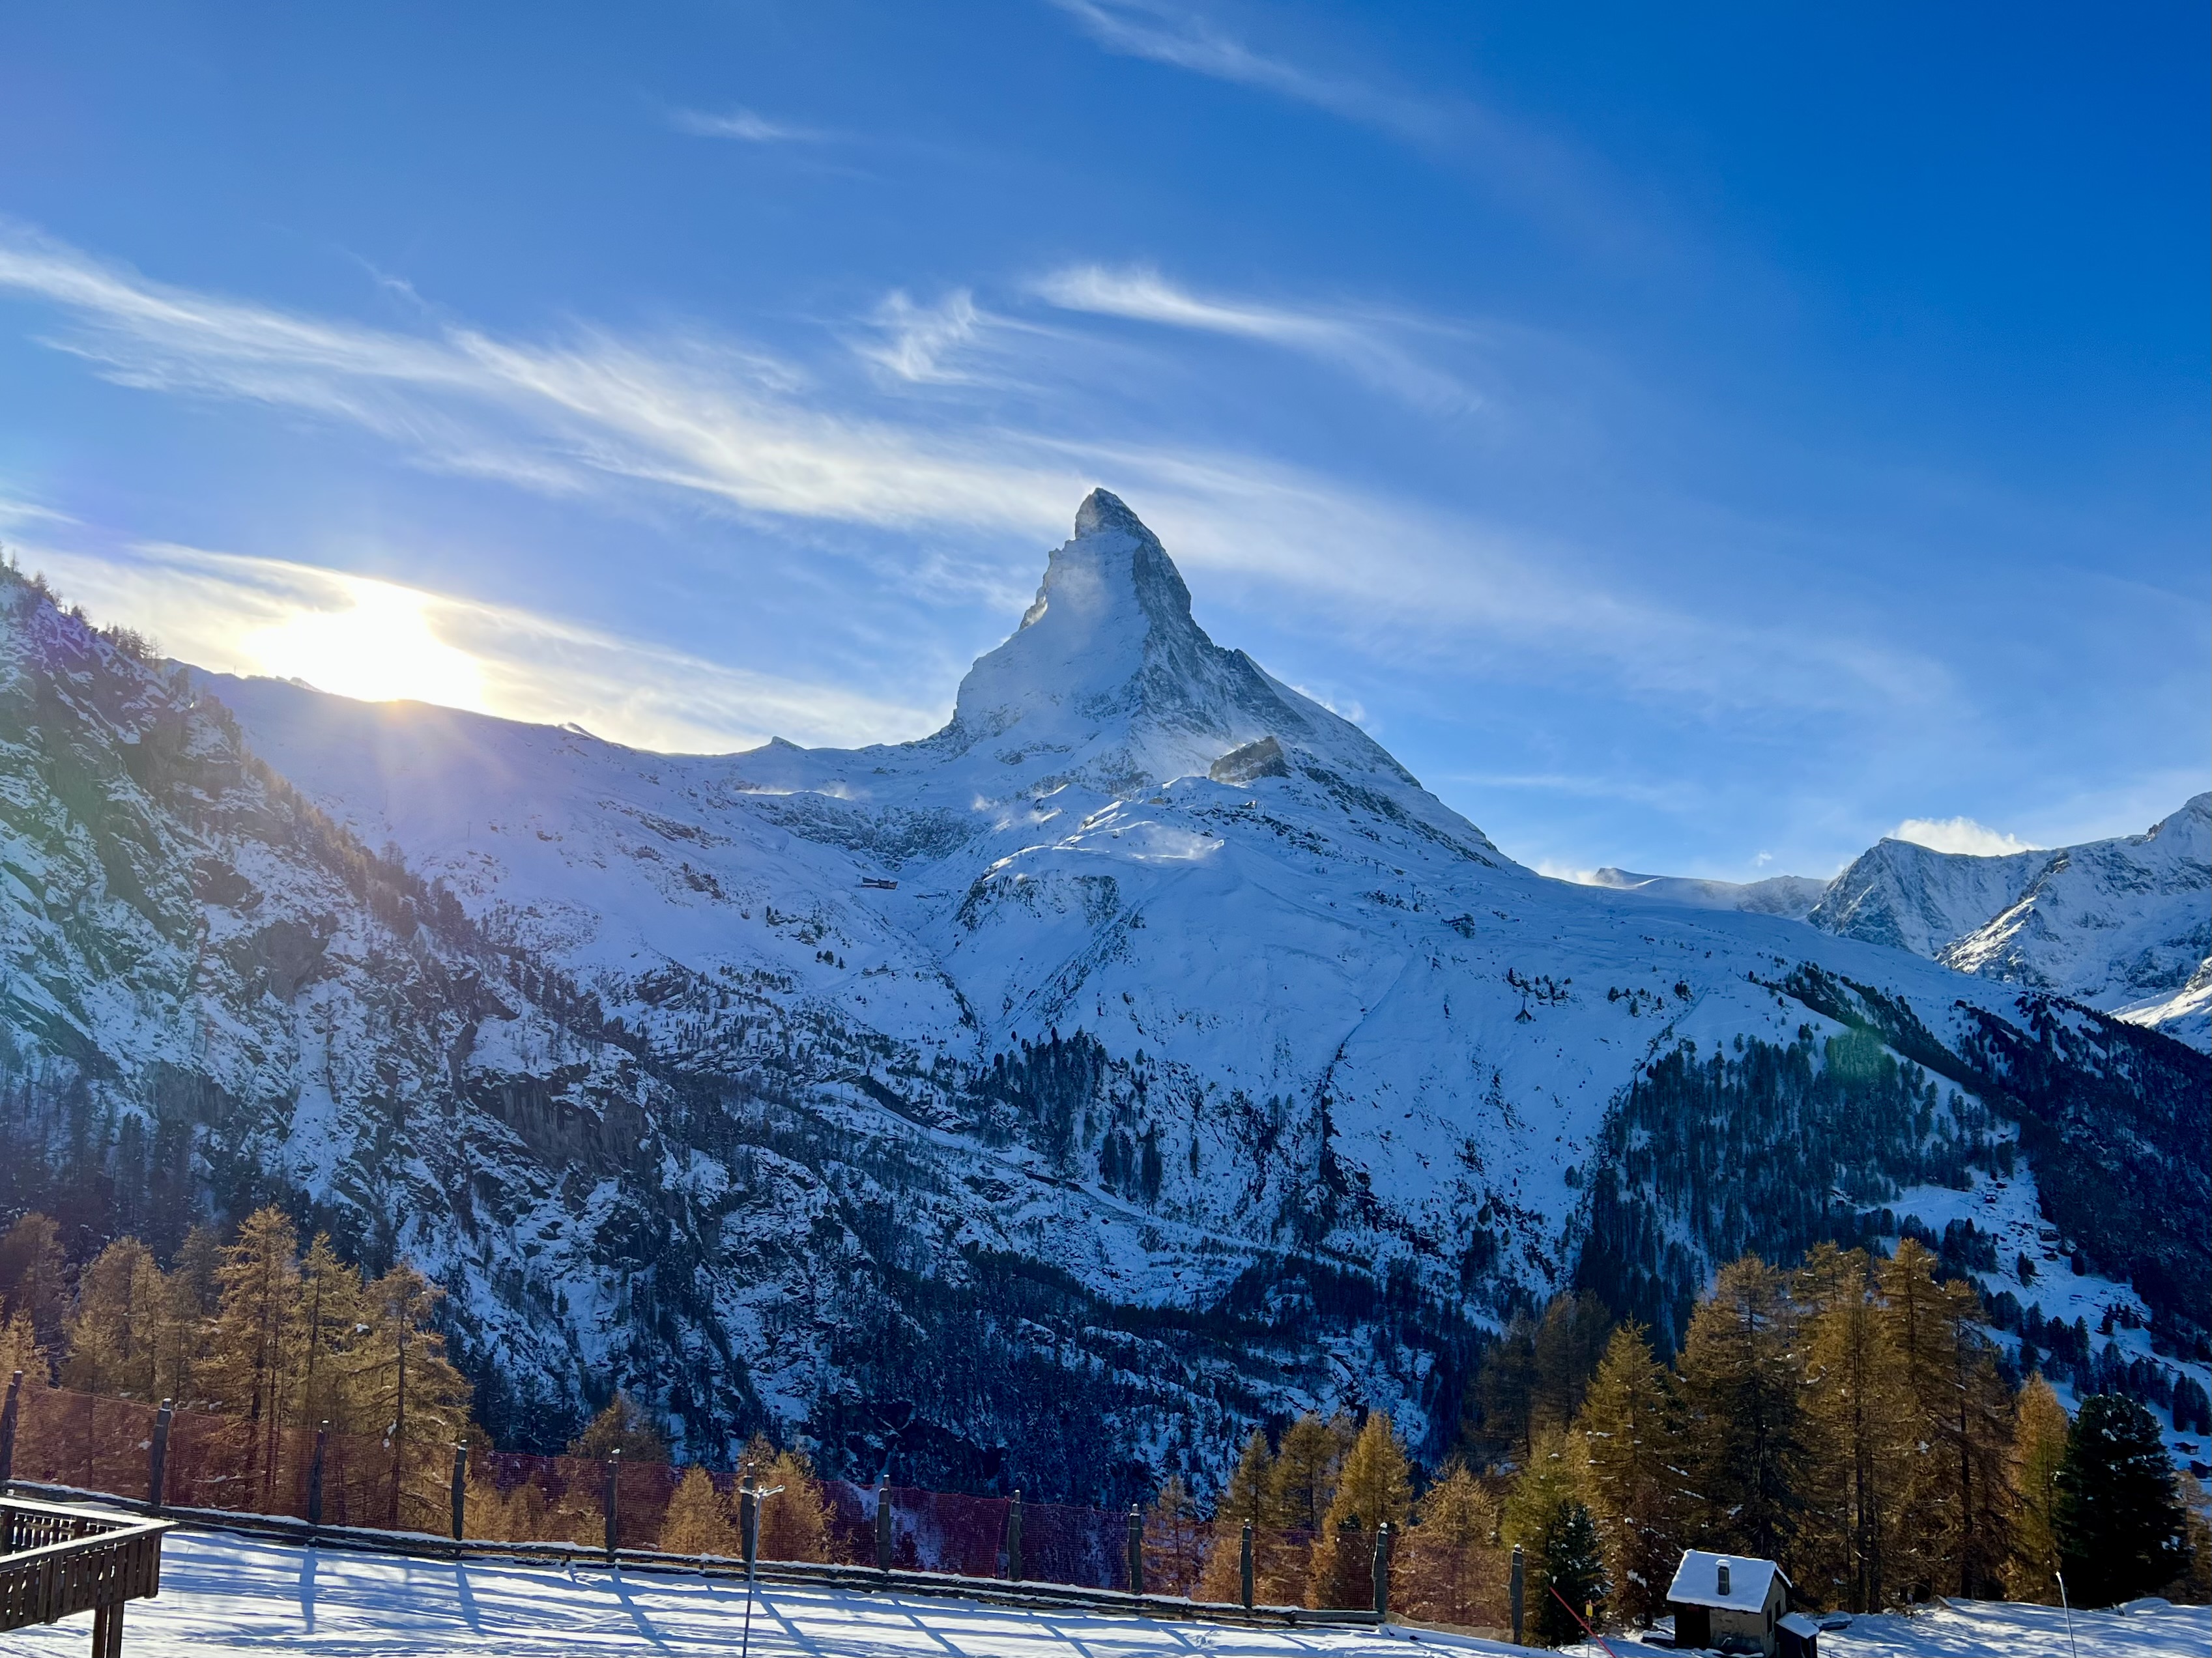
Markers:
1109,682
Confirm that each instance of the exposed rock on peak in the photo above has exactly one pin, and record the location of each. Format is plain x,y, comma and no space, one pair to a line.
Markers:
1103,511
1111,677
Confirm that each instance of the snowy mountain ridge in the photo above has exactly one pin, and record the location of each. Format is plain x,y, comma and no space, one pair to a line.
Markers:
2123,924
1145,1045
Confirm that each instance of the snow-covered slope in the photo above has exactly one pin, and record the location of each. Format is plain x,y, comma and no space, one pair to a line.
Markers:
2117,923
1793,895
1147,1046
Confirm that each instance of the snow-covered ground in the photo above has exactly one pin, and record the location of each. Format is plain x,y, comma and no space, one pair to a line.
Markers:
222,1593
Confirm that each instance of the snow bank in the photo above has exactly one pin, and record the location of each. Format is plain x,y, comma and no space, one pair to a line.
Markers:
222,1593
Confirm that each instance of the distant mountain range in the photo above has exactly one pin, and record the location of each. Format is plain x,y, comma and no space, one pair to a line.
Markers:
1143,1055
2123,924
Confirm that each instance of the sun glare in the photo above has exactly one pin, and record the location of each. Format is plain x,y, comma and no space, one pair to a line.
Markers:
382,649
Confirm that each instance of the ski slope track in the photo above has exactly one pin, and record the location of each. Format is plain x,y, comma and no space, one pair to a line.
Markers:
1143,1054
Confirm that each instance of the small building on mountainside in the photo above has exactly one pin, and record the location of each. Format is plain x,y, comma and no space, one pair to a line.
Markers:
1732,1603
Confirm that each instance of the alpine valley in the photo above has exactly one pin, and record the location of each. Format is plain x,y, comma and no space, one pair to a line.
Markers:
1142,1055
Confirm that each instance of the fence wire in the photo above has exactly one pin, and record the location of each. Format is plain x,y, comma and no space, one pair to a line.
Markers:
382,1482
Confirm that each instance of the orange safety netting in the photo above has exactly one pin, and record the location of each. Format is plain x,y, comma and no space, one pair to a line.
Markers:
235,1465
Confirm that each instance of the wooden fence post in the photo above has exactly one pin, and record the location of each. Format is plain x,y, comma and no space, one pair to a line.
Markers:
614,1503
1382,1570
157,1465
883,1522
8,1420
1515,1592
460,1491
1244,1566
1136,1550
1014,1538
315,1476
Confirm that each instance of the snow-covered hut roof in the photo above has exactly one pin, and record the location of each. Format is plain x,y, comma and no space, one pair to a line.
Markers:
1697,1581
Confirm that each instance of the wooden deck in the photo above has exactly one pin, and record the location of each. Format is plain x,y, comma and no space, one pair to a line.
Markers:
62,1560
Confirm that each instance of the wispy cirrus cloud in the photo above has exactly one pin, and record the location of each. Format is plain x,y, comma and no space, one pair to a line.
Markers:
916,342
690,413
1366,343
596,414
745,126
1181,37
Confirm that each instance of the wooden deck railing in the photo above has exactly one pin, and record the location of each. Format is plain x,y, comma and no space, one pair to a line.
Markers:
62,1560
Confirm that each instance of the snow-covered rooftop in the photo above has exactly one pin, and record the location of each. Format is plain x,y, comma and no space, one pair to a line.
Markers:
1698,1580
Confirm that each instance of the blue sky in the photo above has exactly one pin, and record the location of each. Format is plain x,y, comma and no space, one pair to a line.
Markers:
1700,441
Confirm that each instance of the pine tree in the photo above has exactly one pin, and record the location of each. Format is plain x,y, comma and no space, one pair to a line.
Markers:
1569,1569
1956,1502
2038,1453
1450,1569
1174,1539
795,1523
34,1276
1304,1475
1744,1426
1571,1343
112,1329
1500,1401
1860,1430
20,1351
623,1426
1374,1484
402,1380
698,1520
1554,1479
179,1327
197,1262
252,1349
330,1311
1245,1499
2121,1532
1630,1441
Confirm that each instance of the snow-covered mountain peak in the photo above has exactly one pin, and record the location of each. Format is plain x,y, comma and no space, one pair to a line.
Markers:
1110,682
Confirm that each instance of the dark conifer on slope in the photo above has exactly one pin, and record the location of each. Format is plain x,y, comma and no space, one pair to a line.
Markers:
2121,1528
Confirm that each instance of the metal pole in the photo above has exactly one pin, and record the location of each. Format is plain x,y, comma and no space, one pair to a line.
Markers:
315,1476
8,1417
157,1465
883,1522
1014,1538
748,1521
1136,1550
1382,1570
2068,1611
614,1503
1244,1566
460,1491
1515,1592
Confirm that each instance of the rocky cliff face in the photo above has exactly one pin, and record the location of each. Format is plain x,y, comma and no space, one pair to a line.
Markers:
1141,1055
2116,924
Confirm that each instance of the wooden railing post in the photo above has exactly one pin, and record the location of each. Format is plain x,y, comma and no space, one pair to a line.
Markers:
1136,1550
460,1490
614,1503
1382,1570
883,1522
1515,1592
315,1476
157,1466
1244,1566
1014,1538
9,1417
